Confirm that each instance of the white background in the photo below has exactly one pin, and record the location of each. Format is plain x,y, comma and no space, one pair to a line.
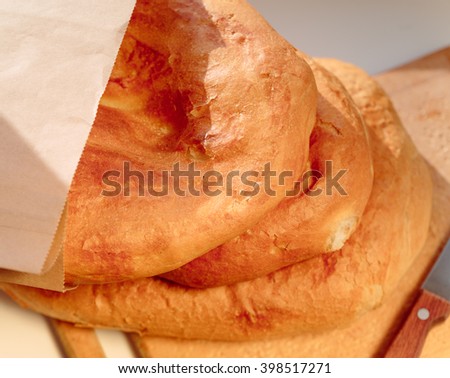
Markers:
376,35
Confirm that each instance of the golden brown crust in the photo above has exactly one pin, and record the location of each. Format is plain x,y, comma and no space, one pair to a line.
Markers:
322,292
309,224
379,113
209,83
371,334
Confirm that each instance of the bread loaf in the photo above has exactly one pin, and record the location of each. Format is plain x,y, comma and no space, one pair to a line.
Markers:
318,219
324,292
207,83
258,92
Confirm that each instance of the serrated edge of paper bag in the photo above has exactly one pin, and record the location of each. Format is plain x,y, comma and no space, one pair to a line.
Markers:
52,276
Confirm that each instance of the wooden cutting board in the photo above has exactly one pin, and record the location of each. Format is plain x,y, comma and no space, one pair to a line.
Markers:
421,93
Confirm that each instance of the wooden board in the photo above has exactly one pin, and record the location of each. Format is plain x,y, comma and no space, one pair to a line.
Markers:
421,94
77,342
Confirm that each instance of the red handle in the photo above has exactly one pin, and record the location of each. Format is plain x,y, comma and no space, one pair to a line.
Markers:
427,310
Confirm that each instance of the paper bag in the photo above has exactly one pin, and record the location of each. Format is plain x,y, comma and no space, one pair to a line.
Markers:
56,58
